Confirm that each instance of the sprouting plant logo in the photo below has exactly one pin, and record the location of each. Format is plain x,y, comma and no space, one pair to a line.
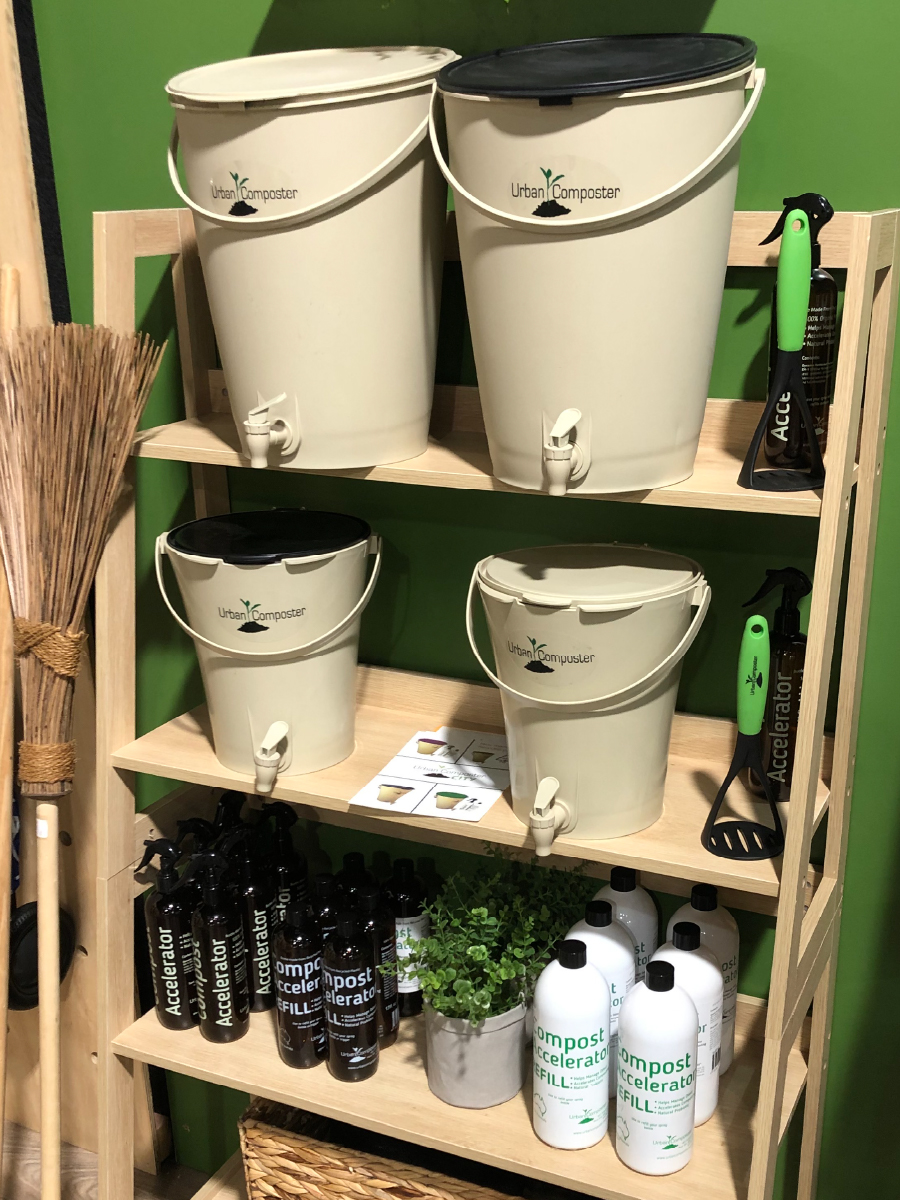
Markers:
550,207
588,1117
755,677
251,625
536,664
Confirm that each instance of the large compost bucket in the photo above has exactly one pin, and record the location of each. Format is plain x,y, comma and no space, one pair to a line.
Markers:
594,185
320,224
273,602
588,642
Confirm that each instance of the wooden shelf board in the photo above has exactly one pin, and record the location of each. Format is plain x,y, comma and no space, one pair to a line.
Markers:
461,460
396,1101
393,705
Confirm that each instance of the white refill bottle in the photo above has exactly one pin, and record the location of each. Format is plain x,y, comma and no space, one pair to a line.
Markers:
571,1051
719,933
658,1030
611,950
634,908
697,971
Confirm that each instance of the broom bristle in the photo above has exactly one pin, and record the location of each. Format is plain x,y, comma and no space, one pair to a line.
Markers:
71,397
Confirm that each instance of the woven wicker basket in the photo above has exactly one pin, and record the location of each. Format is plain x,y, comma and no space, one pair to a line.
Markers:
288,1154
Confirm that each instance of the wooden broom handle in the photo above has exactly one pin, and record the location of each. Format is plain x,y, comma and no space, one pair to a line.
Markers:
47,857
9,319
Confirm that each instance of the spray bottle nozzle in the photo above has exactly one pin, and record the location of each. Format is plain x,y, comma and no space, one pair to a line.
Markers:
203,832
796,585
817,208
228,811
211,866
169,855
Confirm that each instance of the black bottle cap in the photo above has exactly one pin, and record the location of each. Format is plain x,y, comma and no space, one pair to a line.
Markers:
795,584
348,924
368,898
572,954
354,863
623,879
704,897
686,936
299,916
660,976
598,913
326,887
404,869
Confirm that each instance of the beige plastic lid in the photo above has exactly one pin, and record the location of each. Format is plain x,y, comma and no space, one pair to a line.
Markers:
609,576
307,73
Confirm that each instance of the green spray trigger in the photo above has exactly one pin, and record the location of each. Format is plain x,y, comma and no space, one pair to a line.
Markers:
794,270
753,676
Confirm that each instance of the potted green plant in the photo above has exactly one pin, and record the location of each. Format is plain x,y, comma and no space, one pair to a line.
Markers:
491,936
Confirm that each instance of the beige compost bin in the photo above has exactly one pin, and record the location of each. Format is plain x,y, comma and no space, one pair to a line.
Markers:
320,223
594,184
588,642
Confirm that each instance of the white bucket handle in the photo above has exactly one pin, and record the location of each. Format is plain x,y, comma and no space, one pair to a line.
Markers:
299,216
373,547
611,699
606,220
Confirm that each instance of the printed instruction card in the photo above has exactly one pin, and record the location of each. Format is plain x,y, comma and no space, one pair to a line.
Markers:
456,774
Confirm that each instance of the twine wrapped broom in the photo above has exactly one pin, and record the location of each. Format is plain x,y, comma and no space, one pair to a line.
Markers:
70,400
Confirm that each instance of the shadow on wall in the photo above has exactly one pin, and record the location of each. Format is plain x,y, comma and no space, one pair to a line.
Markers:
466,25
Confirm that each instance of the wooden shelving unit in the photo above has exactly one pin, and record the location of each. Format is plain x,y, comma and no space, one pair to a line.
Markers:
782,1050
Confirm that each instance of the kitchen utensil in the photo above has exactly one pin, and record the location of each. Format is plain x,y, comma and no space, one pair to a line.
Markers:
740,838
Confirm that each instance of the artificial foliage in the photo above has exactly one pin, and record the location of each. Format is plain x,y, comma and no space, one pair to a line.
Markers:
492,934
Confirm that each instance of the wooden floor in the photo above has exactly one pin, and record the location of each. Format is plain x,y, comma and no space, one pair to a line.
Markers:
22,1176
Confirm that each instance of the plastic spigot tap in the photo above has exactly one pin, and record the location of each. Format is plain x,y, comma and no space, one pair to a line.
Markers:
562,456
548,816
270,755
262,432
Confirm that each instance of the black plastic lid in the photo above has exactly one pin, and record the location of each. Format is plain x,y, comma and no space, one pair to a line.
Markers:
404,868
686,936
704,897
348,924
623,879
596,66
299,916
598,913
572,954
254,538
660,976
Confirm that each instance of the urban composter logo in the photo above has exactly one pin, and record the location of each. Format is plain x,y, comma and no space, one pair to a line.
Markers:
241,194
553,191
251,625
540,658
253,616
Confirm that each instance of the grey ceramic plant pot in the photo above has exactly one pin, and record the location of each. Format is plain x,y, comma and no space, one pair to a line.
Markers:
475,1066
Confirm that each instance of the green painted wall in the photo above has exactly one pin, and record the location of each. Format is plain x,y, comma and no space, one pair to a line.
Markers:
824,124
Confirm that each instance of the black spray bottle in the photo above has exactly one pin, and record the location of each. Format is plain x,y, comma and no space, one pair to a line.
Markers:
351,1008
788,653
288,864
353,875
297,957
785,443
405,894
220,962
255,893
168,915
203,836
378,922
327,903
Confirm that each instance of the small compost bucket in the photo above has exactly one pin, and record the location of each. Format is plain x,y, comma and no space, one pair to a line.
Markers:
594,185
320,223
273,602
588,642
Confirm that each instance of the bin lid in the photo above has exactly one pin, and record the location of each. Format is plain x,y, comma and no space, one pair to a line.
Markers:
613,576
307,73
256,538
597,66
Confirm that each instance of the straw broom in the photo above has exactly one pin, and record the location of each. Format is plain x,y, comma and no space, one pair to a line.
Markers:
70,400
